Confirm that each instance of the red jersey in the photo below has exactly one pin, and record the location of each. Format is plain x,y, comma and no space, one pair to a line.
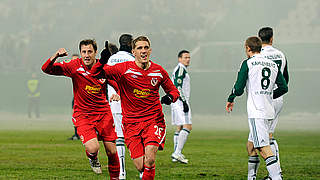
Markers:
139,89
89,93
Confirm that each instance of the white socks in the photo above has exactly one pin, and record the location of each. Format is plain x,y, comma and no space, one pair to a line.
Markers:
175,140
273,168
253,166
182,138
275,150
121,149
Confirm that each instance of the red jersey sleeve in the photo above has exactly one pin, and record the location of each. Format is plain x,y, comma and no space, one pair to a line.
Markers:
114,85
106,71
97,70
168,86
114,72
57,68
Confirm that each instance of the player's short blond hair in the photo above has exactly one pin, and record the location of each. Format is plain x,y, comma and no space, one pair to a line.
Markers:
140,38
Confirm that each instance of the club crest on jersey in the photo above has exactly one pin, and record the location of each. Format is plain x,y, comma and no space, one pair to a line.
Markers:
154,81
102,80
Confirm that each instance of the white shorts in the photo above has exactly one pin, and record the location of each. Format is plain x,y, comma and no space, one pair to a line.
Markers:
117,118
277,104
258,132
179,117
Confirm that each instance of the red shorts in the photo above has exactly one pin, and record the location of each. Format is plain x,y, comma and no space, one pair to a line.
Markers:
140,134
94,126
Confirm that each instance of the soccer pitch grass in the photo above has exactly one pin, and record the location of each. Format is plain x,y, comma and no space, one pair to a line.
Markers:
32,153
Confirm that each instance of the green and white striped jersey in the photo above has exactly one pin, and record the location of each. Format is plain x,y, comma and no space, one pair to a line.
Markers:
278,57
181,80
259,75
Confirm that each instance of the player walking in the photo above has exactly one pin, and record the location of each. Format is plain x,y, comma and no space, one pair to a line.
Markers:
269,52
92,115
121,56
259,75
180,110
143,120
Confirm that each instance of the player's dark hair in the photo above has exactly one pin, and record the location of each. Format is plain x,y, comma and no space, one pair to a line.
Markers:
113,48
265,34
125,42
254,43
182,52
140,38
87,42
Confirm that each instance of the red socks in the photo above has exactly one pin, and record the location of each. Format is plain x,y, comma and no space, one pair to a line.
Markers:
113,166
149,172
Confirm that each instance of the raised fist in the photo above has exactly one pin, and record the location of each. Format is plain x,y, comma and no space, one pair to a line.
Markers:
61,52
105,54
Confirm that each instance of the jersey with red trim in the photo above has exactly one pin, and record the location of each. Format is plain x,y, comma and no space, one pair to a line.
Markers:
89,93
139,90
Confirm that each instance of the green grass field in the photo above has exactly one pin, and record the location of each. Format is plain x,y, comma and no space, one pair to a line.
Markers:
32,153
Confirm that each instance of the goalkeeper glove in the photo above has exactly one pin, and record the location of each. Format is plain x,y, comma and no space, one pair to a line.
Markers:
167,99
105,54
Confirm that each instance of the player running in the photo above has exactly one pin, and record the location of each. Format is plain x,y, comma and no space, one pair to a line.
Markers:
259,75
143,120
269,52
91,115
180,110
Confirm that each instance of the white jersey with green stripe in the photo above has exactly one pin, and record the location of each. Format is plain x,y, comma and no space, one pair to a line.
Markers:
262,74
181,80
278,57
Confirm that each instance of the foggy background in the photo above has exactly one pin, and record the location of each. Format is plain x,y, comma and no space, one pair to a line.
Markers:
213,30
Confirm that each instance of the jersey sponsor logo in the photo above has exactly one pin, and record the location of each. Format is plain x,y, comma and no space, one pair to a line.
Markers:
154,81
144,93
262,93
93,89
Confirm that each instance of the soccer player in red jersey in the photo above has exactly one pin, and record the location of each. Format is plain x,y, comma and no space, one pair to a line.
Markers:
92,115
143,120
